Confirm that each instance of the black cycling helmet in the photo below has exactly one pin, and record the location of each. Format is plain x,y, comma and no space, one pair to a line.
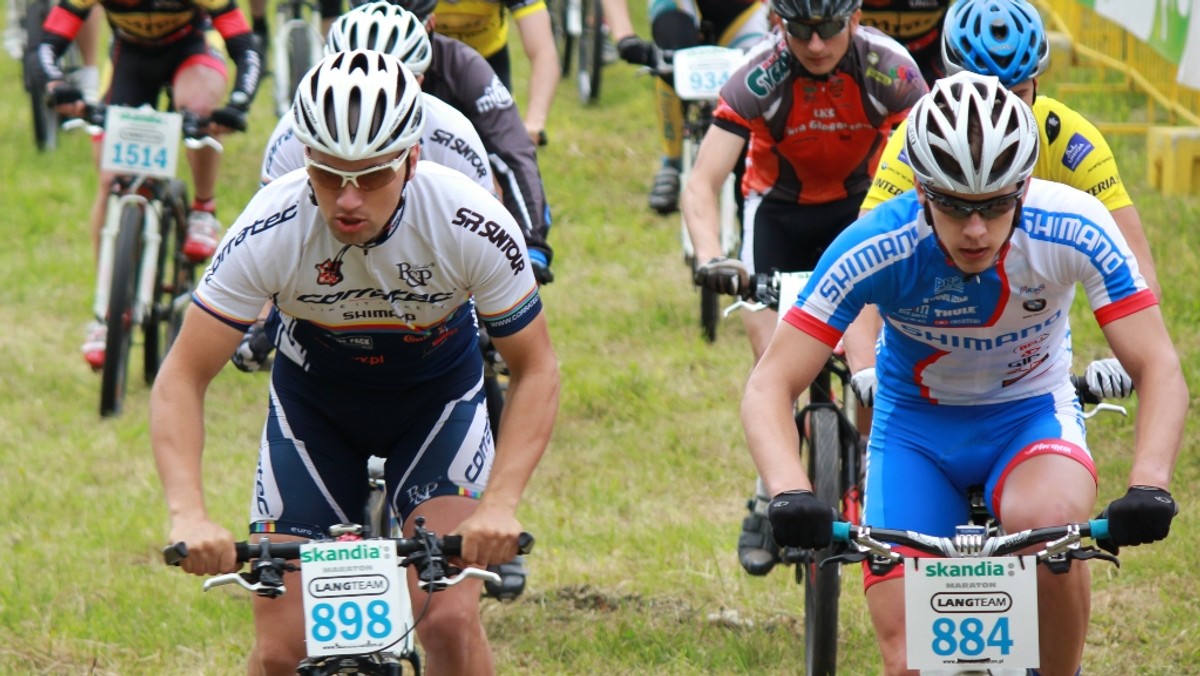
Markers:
814,10
422,8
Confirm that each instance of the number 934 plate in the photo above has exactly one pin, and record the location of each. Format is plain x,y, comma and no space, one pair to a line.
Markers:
355,598
971,612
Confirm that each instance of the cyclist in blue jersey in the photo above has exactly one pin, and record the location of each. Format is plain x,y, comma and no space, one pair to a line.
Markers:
379,266
974,273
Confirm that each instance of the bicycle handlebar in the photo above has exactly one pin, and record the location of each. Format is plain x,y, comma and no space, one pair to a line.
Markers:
194,138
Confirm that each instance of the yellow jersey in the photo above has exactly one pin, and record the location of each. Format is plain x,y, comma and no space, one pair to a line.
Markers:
1072,151
482,24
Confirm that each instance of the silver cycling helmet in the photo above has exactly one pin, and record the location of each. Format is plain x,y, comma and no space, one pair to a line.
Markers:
358,104
971,135
814,10
382,27
422,8
1004,38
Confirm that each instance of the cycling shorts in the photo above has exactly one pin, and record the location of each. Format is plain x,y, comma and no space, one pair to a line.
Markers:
791,237
312,465
923,458
139,74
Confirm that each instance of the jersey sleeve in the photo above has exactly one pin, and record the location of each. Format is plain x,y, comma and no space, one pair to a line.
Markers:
283,153
893,175
450,140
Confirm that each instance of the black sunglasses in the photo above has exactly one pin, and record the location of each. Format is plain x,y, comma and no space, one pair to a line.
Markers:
961,209
826,29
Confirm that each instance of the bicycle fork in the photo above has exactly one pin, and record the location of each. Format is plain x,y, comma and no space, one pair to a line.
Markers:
151,241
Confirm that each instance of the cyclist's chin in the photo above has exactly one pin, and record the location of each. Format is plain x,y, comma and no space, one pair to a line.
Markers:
353,232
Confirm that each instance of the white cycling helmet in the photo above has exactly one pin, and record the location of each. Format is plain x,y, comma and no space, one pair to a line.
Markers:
358,104
382,27
971,135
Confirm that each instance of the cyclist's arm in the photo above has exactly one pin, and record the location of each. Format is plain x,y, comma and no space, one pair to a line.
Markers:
530,406
243,50
715,161
792,360
616,15
1130,224
537,38
1141,342
62,25
177,436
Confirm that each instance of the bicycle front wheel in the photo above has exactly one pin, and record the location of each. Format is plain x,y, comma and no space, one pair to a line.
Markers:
822,586
121,298
591,52
300,46
564,42
174,279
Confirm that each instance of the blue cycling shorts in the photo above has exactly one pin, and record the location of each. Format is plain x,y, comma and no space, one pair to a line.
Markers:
312,465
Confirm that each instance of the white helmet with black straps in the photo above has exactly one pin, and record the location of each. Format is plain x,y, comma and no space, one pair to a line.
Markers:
971,135
383,27
358,104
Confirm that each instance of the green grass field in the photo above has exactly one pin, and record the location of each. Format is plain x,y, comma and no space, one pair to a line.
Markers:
636,506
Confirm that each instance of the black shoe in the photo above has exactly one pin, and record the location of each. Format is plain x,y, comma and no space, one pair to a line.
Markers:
664,193
512,580
757,551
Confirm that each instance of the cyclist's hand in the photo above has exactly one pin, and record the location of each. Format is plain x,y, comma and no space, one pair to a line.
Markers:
67,100
210,549
541,266
637,51
1142,515
799,519
723,275
1107,379
489,536
231,117
863,383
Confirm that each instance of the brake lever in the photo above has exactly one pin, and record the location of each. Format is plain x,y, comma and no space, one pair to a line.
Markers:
463,575
246,581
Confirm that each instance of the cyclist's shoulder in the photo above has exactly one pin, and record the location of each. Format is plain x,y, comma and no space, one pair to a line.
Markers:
1061,202
1059,120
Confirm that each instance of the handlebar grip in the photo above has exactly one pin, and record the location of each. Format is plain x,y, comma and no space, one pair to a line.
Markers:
452,544
1083,391
174,554
1098,529
841,531
525,543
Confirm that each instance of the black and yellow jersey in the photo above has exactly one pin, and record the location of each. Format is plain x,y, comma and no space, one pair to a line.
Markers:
482,24
1072,151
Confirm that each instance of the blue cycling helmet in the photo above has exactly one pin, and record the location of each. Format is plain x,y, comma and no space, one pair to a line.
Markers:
1004,38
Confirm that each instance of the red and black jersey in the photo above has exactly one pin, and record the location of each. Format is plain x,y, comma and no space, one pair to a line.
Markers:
815,140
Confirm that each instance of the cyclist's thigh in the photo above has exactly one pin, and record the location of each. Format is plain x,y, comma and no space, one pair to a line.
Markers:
201,78
139,74
792,237
1048,456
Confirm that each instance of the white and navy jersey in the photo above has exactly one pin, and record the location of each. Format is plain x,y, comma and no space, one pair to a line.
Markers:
448,139
996,337
394,313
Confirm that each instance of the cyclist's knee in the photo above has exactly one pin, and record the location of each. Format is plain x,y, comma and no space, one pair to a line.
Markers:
451,620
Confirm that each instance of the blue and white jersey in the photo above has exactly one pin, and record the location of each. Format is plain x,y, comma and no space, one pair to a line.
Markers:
448,139
393,313
996,337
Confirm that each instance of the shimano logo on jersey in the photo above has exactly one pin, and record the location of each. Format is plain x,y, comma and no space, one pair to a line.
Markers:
1077,149
1077,232
495,233
257,227
769,74
977,343
864,259
462,148
495,97
393,296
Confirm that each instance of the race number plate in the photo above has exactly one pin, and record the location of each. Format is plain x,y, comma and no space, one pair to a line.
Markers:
700,72
355,600
972,613
790,286
141,141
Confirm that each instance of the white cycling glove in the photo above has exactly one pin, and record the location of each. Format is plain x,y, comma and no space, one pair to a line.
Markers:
1106,378
863,383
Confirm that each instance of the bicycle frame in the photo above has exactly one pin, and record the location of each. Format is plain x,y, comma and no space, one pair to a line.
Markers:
151,240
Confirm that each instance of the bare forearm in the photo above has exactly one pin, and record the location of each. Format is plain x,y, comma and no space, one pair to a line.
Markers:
177,436
530,407
772,437
1162,411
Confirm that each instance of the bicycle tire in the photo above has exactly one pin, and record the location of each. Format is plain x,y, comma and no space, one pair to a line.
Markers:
174,279
822,586
591,53
45,118
710,313
121,295
563,41
299,58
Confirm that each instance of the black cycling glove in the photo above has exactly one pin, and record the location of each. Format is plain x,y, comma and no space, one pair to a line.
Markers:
723,275
231,116
799,519
1142,515
637,51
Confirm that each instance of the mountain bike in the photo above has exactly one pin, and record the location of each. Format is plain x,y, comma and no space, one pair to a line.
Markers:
699,73
21,37
143,279
296,48
579,30
972,610
363,623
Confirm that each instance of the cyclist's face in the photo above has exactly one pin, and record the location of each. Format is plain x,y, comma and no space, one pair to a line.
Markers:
818,55
356,215
1026,90
972,229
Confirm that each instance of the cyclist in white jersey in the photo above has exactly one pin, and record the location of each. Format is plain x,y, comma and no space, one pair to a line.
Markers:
449,138
378,266
974,273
